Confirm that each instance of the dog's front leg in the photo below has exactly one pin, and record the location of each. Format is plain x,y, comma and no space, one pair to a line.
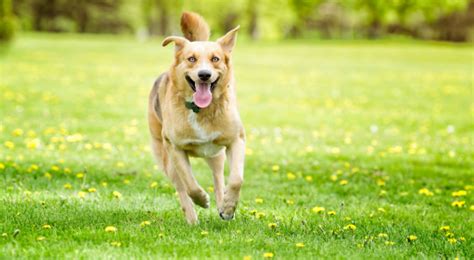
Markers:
173,169
236,156
216,164
180,162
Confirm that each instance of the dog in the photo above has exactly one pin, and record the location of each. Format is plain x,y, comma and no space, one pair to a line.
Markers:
192,111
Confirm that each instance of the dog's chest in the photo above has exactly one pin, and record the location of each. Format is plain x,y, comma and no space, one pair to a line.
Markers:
200,142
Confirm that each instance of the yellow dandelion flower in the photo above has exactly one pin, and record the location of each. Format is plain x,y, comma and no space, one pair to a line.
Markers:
17,132
92,190
268,255
272,225
117,194
289,202
459,193
445,228
425,191
67,186
333,177
471,208
81,194
332,213
299,245
380,182
33,144
462,239
351,227
88,146
115,244
9,144
247,257
54,168
275,168
204,233
126,181
260,215
259,200
145,223
308,178
104,184
46,226
110,229
290,176
41,238
48,175
80,175
33,168
2,166
343,182
412,238
452,240
318,209
154,184
449,234
458,204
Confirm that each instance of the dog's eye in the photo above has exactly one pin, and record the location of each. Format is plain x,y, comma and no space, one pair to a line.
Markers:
192,59
215,59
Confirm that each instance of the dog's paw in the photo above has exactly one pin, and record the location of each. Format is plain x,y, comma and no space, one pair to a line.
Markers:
227,212
200,198
227,216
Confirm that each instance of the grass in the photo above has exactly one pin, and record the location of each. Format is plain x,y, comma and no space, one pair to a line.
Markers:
378,132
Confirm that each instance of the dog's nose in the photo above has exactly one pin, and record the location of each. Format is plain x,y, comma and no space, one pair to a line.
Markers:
204,74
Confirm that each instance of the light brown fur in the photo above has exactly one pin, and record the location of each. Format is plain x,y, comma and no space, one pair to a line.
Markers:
216,132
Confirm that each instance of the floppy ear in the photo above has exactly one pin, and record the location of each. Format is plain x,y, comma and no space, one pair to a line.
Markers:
179,42
227,41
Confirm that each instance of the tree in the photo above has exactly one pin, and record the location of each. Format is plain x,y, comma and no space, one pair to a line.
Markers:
7,21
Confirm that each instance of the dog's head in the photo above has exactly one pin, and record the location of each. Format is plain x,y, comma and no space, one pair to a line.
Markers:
203,69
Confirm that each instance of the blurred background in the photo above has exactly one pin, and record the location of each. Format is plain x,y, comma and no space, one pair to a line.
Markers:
446,20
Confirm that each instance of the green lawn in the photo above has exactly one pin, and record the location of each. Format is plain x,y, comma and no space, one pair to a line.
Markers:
352,148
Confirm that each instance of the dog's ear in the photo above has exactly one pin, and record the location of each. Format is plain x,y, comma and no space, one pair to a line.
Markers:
227,41
179,42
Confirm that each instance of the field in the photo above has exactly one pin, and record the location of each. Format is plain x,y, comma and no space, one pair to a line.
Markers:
354,150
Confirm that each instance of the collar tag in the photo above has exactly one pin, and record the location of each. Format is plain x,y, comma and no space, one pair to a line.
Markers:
192,106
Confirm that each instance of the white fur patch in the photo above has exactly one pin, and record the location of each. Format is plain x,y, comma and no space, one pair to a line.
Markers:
201,134
203,140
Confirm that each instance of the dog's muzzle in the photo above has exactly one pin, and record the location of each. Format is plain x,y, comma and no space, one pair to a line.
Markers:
192,84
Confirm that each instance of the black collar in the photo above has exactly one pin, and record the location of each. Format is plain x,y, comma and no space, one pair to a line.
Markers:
192,106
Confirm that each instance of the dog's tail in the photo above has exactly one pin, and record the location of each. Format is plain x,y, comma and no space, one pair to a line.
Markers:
194,27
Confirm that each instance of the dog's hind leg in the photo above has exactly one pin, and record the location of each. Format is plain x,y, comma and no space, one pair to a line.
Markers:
216,164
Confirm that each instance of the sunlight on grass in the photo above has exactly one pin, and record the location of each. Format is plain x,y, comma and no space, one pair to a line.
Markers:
354,150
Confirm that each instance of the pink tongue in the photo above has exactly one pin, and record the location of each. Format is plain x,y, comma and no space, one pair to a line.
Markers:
203,96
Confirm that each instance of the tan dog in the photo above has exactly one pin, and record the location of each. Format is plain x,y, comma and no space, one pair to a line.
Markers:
193,112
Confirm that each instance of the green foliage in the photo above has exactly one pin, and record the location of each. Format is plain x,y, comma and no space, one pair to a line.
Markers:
265,19
7,21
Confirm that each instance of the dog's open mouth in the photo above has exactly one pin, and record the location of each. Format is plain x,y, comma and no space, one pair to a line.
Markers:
202,96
